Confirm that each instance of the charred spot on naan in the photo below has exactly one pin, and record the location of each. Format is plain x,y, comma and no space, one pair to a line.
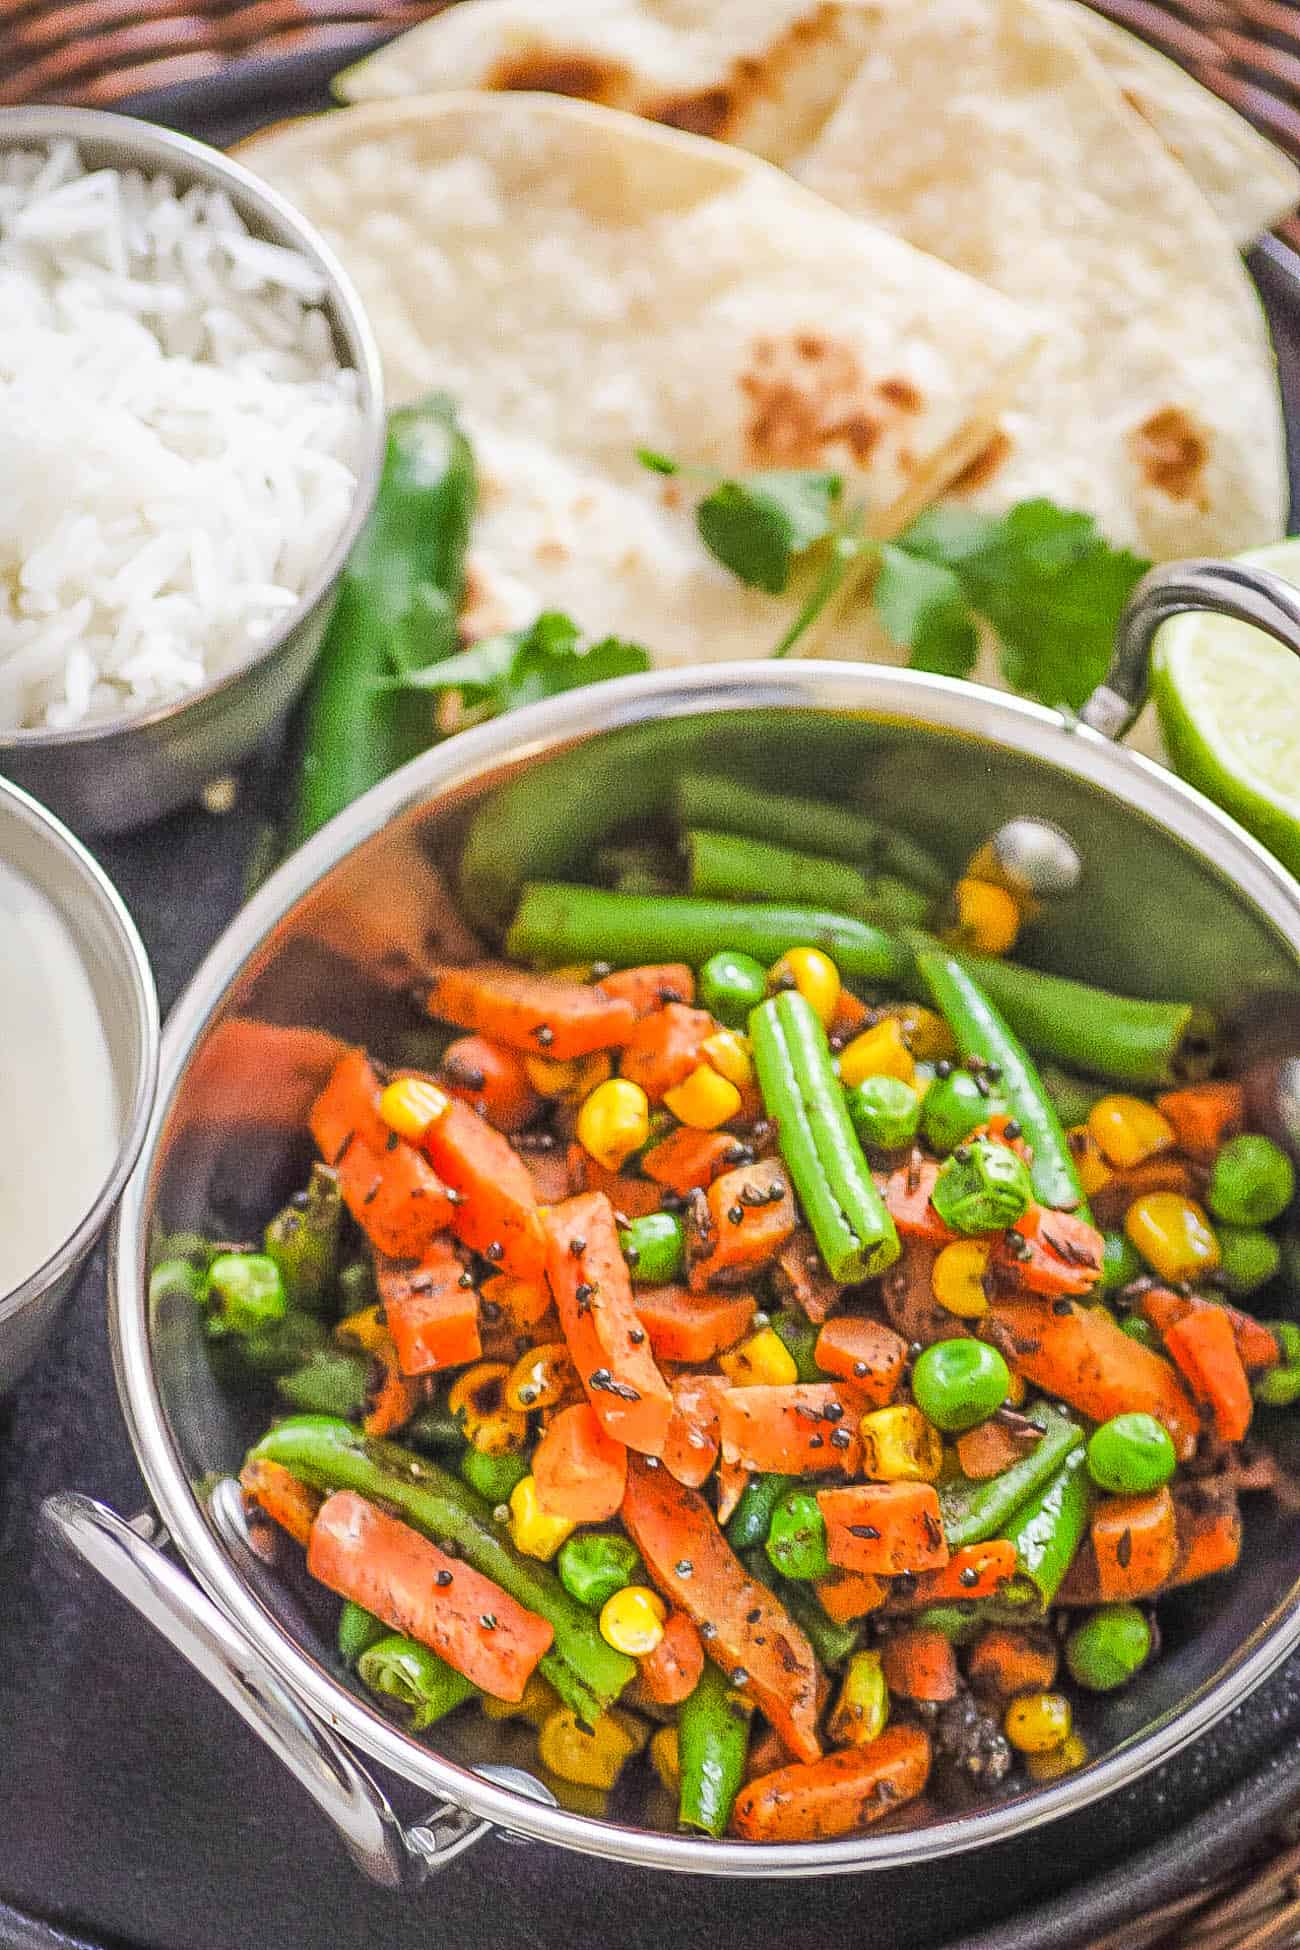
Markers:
981,468
1171,452
718,111
809,399
552,71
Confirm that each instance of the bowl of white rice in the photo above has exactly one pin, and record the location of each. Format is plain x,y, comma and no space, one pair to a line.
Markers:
192,425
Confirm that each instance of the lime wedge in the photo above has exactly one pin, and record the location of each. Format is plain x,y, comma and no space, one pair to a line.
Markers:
1228,698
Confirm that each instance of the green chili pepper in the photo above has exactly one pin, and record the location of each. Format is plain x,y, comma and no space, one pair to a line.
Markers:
796,1537
493,1476
955,1105
982,1187
1109,1646
725,866
1048,1529
587,1673
403,1669
556,923
594,1564
730,986
331,1381
816,825
884,1111
799,1338
712,1748
817,1141
359,1629
1249,1257
654,1247
982,1033
303,1240
749,1522
244,1293
974,1510
399,596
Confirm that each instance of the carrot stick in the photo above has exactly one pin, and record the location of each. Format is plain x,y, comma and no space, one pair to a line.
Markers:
1203,1115
1135,1541
281,1496
348,1108
751,1215
865,1352
364,1554
399,1202
803,1427
694,1434
495,1212
1006,1662
492,1080
432,1314
651,988
906,1194
733,1479
663,1049
974,1571
1052,1253
884,1528
589,1278
920,1664
672,1670
687,1161
692,1328
1204,1349
1256,1344
579,1471
1084,1359
849,1595
533,1013
837,1795
1209,1534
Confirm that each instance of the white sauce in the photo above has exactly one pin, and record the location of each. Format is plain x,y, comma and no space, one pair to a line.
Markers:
59,1113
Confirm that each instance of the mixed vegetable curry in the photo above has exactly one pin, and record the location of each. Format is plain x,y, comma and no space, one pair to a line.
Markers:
732,1369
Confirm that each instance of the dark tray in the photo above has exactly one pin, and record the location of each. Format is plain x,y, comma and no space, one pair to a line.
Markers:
136,1810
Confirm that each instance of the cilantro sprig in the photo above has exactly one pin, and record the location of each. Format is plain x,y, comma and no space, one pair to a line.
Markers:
500,673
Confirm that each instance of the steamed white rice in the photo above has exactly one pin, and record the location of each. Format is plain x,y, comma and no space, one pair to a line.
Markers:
177,439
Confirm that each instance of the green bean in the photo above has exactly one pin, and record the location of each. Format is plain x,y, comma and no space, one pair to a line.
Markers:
587,1673
725,866
799,1337
831,1642
557,923
403,1669
796,1538
817,1140
244,1293
1072,1097
1048,1528
283,1346
749,1521
331,1381
973,1510
303,1240
712,1747
434,1429
840,832
358,1629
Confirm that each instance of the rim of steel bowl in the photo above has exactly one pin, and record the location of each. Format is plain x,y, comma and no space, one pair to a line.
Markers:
898,696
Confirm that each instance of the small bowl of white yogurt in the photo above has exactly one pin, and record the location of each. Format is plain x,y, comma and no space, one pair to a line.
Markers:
78,1066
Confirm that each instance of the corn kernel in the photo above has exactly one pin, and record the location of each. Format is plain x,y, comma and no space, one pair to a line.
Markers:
364,1329
957,1278
878,1052
704,1101
1127,1130
589,1757
762,1361
1094,1172
814,975
410,1105
860,1712
988,918
539,1701
572,1079
925,1032
665,1758
1173,1235
477,1400
542,1377
632,1621
535,1531
614,1122
900,1446
1061,1760
1037,1723
728,1053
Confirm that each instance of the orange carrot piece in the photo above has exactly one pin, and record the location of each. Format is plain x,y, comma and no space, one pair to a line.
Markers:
974,1571
687,1161
1256,1344
579,1471
522,1302
744,1239
1136,1543
633,1197
692,1328
805,1279
651,988
801,1427
492,1080
986,1450
280,1496
1209,1534
849,1595
838,1795
1165,1173
850,1016
733,1479
537,1014
664,1048
906,1193
884,1528
1203,1115
1057,1253
364,1554
495,1212
399,1202
1204,1349
1084,1359
1005,1662
672,1670
348,1108
432,1314
750,1629
548,1172
694,1435
589,1278
920,1664
865,1352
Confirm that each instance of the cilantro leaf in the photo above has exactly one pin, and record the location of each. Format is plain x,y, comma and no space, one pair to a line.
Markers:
922,604
757,526
522,666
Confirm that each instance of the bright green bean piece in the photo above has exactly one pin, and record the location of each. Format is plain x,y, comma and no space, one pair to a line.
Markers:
412,1674
1049,1527
974,1510
712,1747
816,825
303,1240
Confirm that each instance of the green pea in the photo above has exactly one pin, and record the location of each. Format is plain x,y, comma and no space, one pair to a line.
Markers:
954,1107
799,1337
1251,1181
1110,1645
654,1248
796,1537
1249,1257
1287,1335
493,1476
1278,1388
886,1112
731,985
982,1187
359,1629
1130,1455
1120,1261
959,1383
1140,1330
594,1564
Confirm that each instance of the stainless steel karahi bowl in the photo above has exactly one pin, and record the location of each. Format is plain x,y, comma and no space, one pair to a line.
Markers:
118,773
1175,898
115,961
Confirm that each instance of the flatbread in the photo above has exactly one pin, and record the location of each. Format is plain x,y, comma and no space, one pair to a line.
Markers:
584,284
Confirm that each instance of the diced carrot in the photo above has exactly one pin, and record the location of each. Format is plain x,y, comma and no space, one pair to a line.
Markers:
673,1669
805,1279
280,1496
733,1479
1136,1543
849,1595
907,1292
850,1016
1057,1253
399,1202
1209,1533
838,1795
651,988
1083,1358
549,1174
391,1399
692,1328
750,1630
348,1108
1165,1173
802,1427
694,1436
987,1449
974,1571
492,1080
432,1313
534,1013
578,1469
865,1352
1004,1661
1203,1115
522,1302
687,1161
906,1193
593,1294
1204,1348
495,1212
664,1048
744,1237
920,1664
633,1197
383,1565
1256,1344
884,1528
